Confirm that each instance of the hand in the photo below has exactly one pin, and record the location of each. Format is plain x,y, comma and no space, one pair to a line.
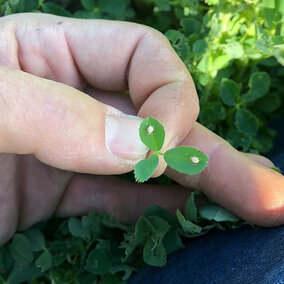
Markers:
67,135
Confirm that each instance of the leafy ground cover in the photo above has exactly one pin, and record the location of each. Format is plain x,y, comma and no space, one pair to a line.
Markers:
234,50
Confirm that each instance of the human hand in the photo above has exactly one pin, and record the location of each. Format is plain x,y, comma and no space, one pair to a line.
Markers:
63,132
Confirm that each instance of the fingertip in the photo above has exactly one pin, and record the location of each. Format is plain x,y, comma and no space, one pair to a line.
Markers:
260,159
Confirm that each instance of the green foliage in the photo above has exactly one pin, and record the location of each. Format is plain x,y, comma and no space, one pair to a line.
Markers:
114,251
234,51
183,159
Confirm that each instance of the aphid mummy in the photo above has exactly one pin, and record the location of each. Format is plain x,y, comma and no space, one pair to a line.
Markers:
194,160
150,129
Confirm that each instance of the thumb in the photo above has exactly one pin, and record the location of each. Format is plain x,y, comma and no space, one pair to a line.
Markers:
64,127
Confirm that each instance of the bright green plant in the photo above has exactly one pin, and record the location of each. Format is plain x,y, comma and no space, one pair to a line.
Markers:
183,159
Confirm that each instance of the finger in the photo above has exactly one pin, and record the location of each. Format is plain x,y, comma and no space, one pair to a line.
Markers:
110,56
243,186
122,199
260,159
64,127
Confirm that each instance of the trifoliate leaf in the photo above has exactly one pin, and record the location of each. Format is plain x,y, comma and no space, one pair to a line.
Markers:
229,91
145,168
259,84
217,213
152,133
154,253
186,160
246,122
44,261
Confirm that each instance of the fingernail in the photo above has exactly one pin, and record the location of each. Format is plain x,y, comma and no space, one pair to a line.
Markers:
122,137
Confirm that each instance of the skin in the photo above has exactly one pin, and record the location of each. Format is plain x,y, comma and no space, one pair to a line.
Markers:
59,78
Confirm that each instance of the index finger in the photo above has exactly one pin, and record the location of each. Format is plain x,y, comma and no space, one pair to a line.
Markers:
108,55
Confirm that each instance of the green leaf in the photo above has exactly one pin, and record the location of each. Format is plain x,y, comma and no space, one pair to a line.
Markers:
179,42
158,211
99,261
281,6
234,49
211,113
152,133
246,122
154,254
88,4
187,225
278,170
83,14
6,261
190,210
268,103
229,91
190,26
220,62
163,5
199,46
44,261
20,275
21,250
172,242
27,5
269,4
115,8
159,226
109,221
279,55
76,228
259,84
217,213
52,8
145,168
142,230
36,238
186,160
